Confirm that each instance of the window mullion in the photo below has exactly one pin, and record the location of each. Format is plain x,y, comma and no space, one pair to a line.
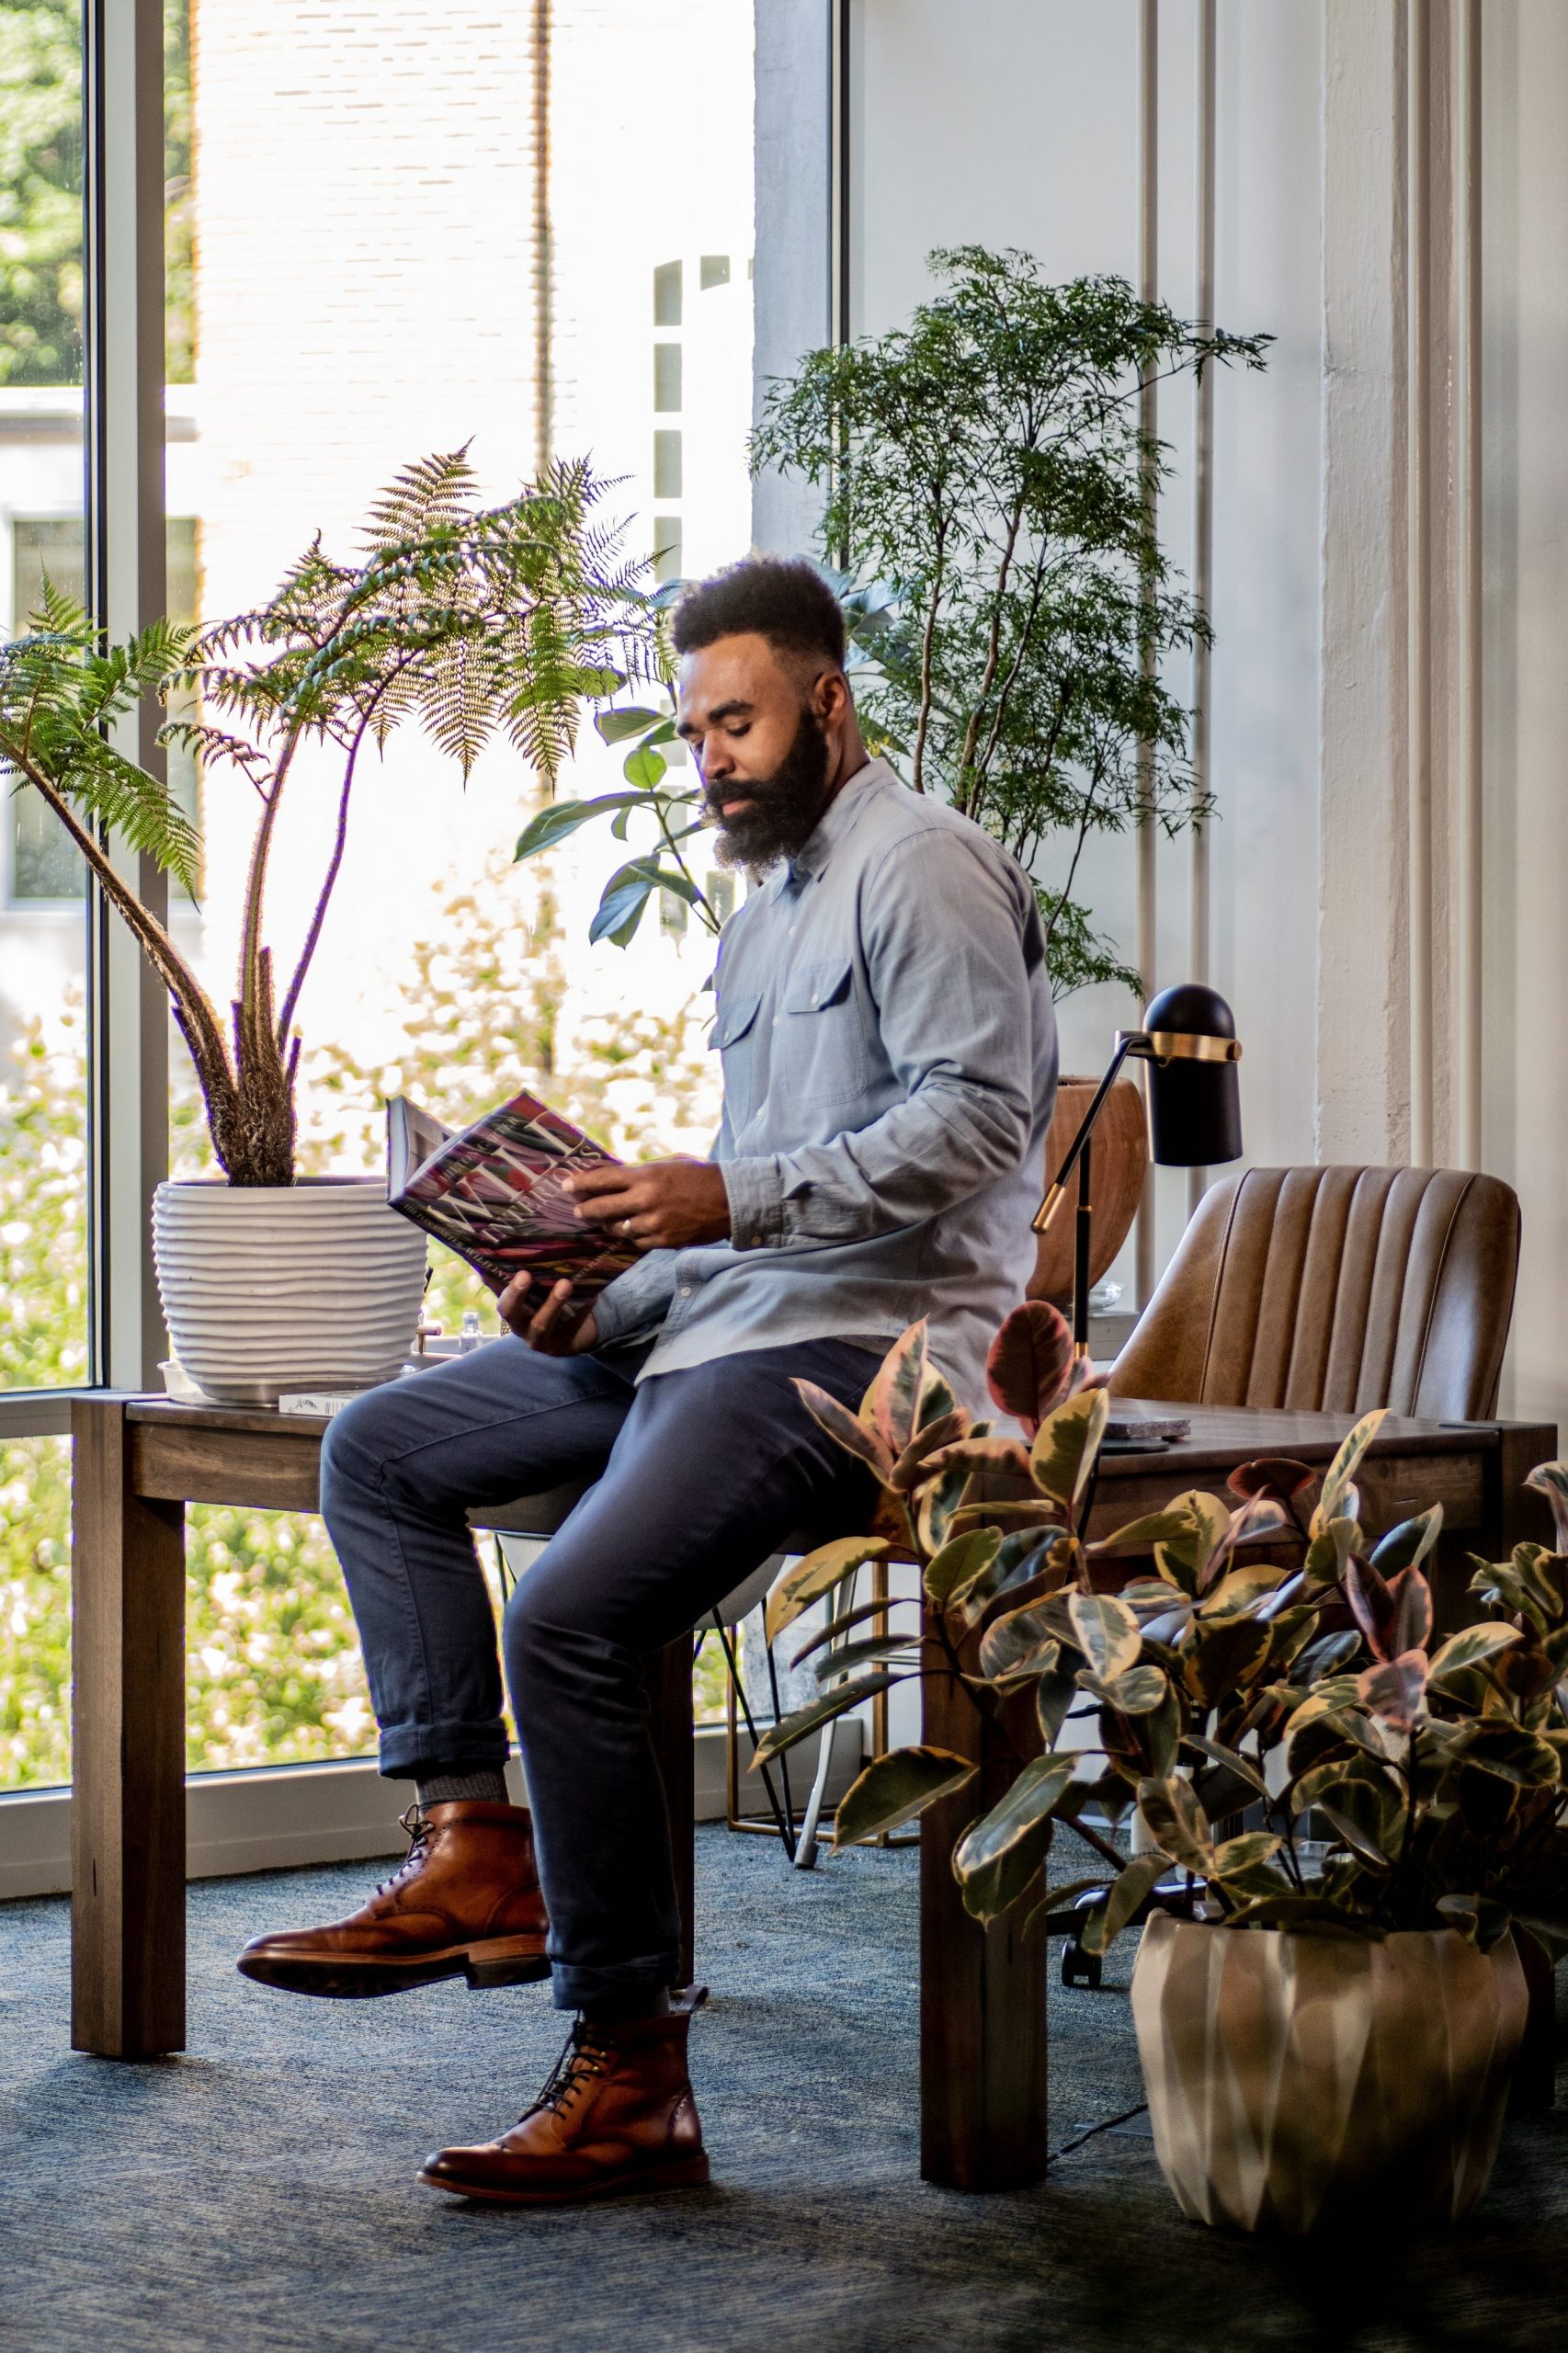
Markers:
127,569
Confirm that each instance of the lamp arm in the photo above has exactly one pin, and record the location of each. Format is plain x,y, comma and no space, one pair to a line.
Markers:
1126,1040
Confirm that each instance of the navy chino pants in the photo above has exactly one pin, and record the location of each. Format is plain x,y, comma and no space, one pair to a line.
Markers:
699,1474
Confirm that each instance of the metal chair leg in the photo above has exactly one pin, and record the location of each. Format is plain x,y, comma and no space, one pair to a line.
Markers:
786,1828
806,1844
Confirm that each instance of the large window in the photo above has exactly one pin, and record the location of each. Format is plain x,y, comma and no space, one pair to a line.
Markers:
383,237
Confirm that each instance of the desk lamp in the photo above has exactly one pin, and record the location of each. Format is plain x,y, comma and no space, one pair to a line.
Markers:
1195,1112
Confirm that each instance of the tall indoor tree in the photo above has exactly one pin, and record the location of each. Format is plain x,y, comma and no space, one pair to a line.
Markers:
990,493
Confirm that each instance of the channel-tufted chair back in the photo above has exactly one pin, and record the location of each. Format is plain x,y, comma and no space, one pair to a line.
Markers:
1333,1291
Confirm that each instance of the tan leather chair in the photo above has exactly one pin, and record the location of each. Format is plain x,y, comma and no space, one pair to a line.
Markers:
1333,1291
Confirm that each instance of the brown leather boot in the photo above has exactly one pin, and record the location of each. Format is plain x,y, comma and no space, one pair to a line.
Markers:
465,1903
617,2115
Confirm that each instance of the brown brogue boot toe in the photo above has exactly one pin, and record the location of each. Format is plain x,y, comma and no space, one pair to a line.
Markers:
466,1902
617,2115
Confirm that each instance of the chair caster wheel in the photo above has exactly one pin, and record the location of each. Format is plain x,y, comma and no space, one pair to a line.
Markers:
1080,1968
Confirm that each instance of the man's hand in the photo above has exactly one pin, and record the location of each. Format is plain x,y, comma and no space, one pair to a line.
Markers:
540,1321
664,1205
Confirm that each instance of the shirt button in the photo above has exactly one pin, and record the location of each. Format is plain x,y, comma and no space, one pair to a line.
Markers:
685,1290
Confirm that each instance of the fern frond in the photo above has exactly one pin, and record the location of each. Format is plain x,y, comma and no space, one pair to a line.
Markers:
432,491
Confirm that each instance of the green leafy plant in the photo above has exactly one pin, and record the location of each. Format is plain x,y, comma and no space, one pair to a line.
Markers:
655,788
470,621
662,788
1292,1737
987,485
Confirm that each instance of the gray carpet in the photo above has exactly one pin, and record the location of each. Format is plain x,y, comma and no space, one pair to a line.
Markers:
257,2194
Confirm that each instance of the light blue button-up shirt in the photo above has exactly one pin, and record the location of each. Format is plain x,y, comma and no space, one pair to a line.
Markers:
890,1066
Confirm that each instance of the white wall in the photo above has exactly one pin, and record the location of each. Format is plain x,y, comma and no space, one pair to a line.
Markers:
1014,122
1526,937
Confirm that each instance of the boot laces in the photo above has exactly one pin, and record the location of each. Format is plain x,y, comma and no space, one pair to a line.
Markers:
419,1828
585,2058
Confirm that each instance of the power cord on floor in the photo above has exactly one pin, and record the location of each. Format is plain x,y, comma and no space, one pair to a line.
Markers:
1090,2131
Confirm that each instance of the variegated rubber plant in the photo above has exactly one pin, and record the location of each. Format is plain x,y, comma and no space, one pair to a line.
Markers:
1379,1779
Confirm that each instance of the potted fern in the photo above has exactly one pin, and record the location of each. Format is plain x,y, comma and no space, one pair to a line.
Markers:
471,622
1367,1819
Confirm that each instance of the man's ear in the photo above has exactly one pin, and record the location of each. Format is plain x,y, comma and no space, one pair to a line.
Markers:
831,698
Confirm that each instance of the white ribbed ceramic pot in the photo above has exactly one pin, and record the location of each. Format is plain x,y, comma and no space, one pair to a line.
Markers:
267,1289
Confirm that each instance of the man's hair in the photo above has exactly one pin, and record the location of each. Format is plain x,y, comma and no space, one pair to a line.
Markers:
786,601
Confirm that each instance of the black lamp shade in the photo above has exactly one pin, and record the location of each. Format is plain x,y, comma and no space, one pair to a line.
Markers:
1195,1105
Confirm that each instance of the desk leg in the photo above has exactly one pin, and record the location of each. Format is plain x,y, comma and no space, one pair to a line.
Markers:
1514,1513
669,1708
127,1748
982,2025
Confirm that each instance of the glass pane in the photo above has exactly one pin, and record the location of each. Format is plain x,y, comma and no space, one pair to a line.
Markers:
43,1319
430,278
35,1613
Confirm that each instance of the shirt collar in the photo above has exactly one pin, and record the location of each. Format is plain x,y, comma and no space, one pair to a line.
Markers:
836,822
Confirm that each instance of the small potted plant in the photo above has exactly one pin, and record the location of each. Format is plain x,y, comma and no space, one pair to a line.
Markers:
470,621
1366,1816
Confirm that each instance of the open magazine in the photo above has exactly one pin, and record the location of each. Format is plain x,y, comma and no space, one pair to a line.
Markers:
496,1193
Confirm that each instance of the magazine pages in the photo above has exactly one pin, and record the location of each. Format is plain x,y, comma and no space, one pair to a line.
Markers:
496,1195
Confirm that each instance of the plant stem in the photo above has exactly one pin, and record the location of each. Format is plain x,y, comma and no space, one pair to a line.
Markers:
674,848
198,1016
927,653
292,996
256,881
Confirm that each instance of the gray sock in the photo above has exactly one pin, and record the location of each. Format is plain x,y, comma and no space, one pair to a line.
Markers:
488,1785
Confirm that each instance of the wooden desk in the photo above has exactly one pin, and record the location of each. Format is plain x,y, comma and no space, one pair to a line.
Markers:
139,1461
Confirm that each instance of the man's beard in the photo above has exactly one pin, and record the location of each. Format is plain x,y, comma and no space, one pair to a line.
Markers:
785,806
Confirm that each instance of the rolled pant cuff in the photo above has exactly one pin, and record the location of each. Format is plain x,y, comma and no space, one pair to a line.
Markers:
455,1747
577,1989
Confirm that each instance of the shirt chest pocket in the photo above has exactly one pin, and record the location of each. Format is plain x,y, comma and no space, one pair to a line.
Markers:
734,1039
820,1049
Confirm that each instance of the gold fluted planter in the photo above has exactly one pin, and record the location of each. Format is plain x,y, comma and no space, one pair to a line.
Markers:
1293,2077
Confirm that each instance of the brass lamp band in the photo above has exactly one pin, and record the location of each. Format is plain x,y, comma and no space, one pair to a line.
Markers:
1049,1207
1179,1046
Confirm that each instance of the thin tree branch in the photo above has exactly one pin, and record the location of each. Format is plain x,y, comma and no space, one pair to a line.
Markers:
159,948
994,653
928,652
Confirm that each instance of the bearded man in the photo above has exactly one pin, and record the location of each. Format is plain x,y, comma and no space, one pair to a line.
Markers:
889,1067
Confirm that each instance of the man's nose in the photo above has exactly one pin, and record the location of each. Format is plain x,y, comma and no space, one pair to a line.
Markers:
712,758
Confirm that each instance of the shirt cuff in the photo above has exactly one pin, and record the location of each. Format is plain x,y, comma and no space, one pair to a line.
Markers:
756,1190
636,1301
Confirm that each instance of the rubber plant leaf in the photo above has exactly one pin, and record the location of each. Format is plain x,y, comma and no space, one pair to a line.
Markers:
850,1431
1128,1894
895,1788
1176,1822
907,1470
816,1574
1550,1480
818,1711
891,1405
961,1558
1028,1802
1342,1471
1408,1544
1472,1646
1066,1444
1106,1632
1030,1363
